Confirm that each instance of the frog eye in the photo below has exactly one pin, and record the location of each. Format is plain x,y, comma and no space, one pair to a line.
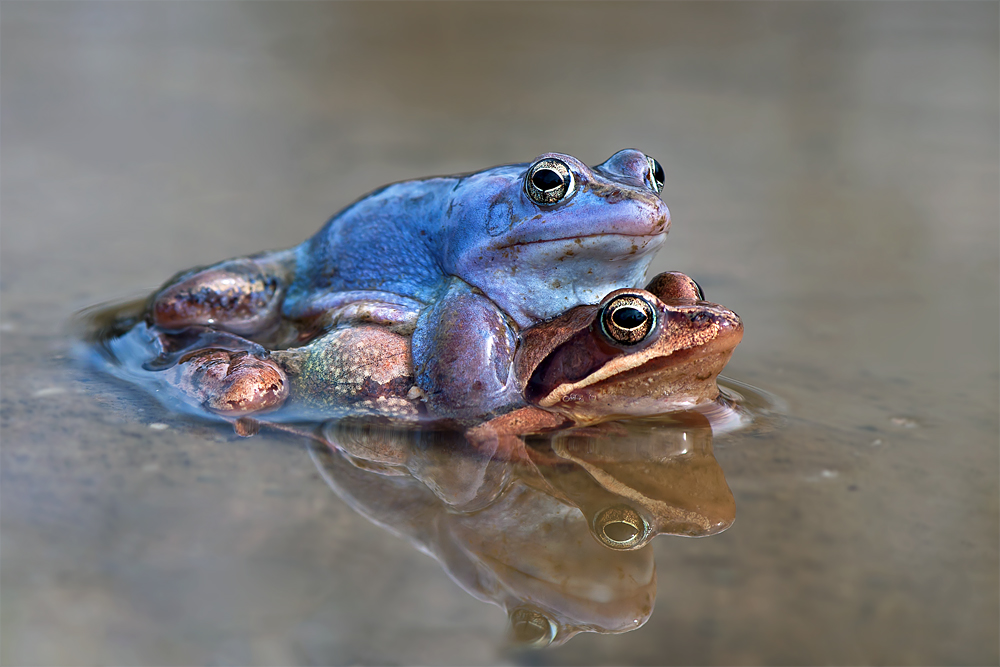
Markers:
657,175
530,628
627,319
548,181
620,527
698,290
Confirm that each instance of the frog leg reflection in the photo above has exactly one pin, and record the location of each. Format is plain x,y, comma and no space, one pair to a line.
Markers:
463,350
502,435
242,296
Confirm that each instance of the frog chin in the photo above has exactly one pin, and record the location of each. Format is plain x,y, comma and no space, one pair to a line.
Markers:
539,280
587,604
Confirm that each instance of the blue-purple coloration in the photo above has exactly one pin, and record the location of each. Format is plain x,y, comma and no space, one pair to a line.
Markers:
533,261
466,260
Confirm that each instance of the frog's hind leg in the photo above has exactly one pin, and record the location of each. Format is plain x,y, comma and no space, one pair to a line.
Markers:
216,371
242,296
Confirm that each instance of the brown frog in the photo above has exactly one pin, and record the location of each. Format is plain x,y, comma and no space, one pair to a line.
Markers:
638,352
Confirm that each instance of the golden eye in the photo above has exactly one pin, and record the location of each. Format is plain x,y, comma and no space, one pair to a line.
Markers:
628,319
620,527
548,181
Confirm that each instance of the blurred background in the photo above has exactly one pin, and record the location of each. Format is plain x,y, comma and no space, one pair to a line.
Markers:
832,173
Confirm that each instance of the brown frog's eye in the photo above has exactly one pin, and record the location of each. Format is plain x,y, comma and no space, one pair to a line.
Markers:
656,174
620,527
549,181
627,319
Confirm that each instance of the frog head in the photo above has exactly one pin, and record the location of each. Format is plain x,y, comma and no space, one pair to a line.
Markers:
637,353
543,237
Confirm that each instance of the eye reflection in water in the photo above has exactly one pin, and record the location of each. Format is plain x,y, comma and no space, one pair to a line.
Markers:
555,531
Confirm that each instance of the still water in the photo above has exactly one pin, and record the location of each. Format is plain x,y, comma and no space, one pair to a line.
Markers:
831,171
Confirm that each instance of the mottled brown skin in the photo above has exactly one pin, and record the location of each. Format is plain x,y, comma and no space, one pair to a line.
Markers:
360,370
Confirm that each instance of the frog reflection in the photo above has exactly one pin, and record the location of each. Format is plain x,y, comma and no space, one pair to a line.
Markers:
659,478
558,533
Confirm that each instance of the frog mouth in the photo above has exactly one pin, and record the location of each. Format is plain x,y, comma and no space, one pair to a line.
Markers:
713,354
578,237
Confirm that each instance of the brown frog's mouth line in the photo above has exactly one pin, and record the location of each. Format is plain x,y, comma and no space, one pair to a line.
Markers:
718,346
586,236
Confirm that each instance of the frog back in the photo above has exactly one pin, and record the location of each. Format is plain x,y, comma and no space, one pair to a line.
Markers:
385,242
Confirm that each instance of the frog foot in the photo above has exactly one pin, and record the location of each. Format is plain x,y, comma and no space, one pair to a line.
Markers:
230,384
241,296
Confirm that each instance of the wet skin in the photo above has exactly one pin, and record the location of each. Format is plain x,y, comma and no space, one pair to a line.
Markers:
637,353
460,263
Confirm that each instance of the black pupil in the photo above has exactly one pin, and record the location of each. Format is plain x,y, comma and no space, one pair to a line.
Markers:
658,175
546,179
619,531
628,317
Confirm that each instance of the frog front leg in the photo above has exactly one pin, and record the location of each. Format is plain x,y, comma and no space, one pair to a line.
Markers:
242,295
463,350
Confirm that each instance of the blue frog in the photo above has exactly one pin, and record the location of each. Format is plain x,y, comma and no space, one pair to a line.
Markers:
460,263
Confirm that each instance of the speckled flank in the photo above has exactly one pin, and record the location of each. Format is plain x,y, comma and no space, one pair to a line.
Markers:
363,368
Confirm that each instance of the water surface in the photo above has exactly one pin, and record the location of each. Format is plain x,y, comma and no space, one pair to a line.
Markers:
832,173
